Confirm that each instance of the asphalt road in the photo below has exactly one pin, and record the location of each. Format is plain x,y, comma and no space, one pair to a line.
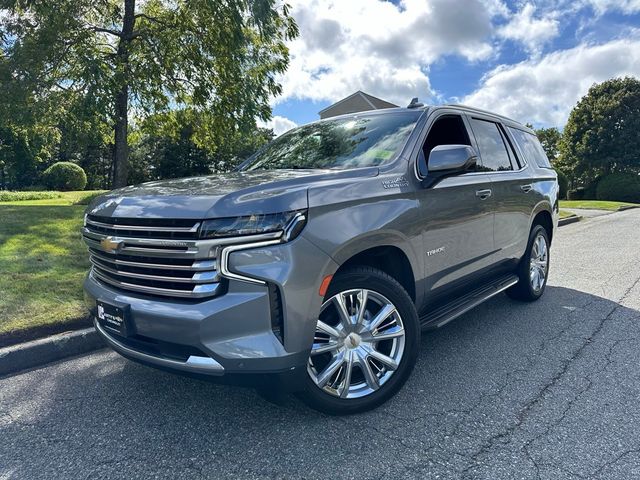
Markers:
544,390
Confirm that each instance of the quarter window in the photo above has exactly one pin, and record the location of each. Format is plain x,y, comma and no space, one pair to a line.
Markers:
530,147
493,151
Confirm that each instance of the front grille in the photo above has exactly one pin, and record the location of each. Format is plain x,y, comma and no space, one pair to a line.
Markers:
152,256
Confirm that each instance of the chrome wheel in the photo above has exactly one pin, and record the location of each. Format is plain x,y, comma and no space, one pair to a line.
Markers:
358,344
538,263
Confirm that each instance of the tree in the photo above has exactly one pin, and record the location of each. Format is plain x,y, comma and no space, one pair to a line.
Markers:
185,142
550,140
601,135
213,56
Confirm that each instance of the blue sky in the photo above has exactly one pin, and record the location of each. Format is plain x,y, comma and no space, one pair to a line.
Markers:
531,60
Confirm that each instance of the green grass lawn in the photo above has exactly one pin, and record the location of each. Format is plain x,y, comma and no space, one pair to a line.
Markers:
43,263
594,204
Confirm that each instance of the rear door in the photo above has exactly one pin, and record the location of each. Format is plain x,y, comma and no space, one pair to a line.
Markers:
511,185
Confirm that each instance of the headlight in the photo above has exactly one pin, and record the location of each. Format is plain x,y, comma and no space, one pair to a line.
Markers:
290,223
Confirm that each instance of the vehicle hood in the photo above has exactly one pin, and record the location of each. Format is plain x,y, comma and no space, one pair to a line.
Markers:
223,195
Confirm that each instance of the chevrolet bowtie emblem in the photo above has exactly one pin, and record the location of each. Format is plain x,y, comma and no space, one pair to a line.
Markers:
110,244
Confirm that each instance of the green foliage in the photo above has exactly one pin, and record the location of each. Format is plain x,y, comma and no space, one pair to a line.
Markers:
563,181
576,194
590,189
65,176
23,196
621,187
550,140
73,68
183,143
601,136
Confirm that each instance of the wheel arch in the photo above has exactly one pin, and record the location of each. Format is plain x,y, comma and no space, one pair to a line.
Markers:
544,218
388,258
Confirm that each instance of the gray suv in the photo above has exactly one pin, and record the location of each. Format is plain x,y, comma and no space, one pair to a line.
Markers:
315,266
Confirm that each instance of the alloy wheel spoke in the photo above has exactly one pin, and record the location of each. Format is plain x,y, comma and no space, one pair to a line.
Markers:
381,316
341,306
363,296
388,334
382,358
346,382
369,375
327,329
330,370
319,348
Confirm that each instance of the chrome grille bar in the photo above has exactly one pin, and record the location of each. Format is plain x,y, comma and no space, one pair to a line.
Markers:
144,228
196,266
200,291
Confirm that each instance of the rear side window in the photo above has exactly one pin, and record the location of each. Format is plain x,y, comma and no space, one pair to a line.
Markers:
493,151
530,148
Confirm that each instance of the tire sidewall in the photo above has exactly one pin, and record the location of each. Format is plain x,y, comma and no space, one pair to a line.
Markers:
387,286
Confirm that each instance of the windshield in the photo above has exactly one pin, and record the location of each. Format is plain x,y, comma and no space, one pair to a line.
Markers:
358,141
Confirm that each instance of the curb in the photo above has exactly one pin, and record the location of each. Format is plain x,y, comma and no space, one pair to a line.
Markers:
627,207
45,350
568,220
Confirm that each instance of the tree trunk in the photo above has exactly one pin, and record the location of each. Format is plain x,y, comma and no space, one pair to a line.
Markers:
121,150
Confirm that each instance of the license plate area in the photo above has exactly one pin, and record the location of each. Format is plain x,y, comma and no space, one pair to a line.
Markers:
113,318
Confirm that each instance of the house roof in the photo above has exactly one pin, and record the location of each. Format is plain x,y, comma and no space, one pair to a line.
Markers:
356,102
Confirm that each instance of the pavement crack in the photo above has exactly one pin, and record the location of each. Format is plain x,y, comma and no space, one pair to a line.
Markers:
533,402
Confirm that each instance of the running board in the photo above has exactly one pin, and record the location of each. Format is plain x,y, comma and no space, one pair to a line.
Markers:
452,310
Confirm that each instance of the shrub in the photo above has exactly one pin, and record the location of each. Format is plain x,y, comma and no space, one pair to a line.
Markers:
563,181
591,190
65,176
620,187
577,194
20,196
34,188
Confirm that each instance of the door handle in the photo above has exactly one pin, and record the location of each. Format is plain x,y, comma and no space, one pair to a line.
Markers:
526,188
483,194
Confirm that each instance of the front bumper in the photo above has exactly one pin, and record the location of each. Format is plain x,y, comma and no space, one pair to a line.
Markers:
229,335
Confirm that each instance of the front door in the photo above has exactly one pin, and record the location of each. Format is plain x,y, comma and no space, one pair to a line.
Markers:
458,214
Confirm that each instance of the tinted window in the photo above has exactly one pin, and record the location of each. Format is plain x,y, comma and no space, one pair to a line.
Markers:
530,147
357,141
493,151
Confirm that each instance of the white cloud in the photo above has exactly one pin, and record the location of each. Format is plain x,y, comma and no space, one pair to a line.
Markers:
543,91
382,48
625,6
531,30
279,124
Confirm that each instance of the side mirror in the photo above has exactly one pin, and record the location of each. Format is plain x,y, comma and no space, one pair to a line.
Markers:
451,158
448,160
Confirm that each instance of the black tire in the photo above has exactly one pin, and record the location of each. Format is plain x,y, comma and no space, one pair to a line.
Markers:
524,290
379,282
